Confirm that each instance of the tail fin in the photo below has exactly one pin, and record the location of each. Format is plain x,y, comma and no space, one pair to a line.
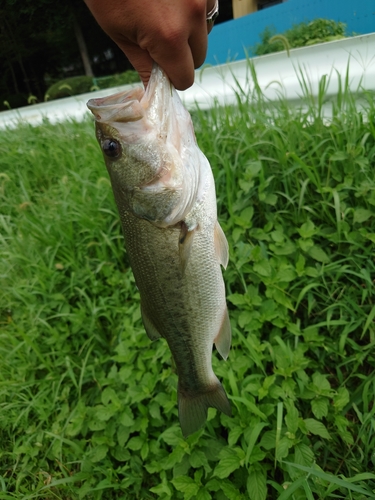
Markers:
192,409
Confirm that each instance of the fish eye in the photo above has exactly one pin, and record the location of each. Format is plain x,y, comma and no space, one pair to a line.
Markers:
111,148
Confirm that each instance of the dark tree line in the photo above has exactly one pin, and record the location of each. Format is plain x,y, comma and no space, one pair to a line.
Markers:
44,41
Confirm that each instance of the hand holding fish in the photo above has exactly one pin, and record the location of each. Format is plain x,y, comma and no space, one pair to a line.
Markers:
173,33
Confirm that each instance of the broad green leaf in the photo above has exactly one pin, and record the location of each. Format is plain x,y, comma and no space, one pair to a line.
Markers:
317,253
316,428
182,468
122,435
230,490
361,215
263,267
108,395
98,453
135,443
256,485
307,230
339,156
285,275
199,459
77,419
303,455
172,436
270,199
253,168
203,494
282,449
162,488
173,458
257,455
126,418
229,462
247,214
321,382
145,450
300,264
104,413
277,235
319,407
268,441
187,485
341,399
237,299
121,454
286,248
291,420
281,297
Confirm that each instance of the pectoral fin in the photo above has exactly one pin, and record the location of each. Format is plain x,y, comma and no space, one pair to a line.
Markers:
185,242
221,246
152,332
224,338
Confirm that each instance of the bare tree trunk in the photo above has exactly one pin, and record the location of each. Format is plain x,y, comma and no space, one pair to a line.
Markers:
10,33
82,47
14,79
5,39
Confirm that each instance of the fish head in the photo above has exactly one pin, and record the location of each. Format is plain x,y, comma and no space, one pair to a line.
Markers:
130,149
149,147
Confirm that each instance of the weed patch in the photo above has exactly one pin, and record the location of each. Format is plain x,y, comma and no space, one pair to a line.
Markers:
88,404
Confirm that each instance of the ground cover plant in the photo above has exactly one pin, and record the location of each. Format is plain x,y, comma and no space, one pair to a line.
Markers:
88,404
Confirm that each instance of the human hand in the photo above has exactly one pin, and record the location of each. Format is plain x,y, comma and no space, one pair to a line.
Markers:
173,33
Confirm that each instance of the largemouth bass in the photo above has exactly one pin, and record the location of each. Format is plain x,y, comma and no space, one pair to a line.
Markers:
165,194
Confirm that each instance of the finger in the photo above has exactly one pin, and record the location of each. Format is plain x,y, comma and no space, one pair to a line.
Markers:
177,62
198,40
140,60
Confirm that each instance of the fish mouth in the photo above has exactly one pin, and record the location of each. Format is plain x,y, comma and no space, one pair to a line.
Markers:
122,107
133,105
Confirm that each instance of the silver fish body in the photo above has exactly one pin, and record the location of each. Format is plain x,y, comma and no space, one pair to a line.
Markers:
165,194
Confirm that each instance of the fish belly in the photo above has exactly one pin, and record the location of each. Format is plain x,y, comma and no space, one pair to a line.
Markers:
185,306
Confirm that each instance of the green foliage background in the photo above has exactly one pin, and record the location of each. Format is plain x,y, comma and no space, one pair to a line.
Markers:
299,35
81,84
88,404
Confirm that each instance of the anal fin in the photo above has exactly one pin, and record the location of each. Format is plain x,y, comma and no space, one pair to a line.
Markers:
151,330
224,338
221,246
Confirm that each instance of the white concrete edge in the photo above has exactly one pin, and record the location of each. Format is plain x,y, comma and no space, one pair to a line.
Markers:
277,74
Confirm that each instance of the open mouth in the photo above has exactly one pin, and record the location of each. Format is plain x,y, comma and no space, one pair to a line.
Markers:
121,107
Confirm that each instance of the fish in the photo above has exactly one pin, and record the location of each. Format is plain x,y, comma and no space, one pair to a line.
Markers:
165,194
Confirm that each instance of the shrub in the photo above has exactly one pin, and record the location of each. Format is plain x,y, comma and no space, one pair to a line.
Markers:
81,84
300,35
129,76
68,87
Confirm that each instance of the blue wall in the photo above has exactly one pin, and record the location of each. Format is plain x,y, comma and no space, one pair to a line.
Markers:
228,40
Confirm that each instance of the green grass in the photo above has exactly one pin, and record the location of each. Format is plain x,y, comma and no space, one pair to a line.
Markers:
88,404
